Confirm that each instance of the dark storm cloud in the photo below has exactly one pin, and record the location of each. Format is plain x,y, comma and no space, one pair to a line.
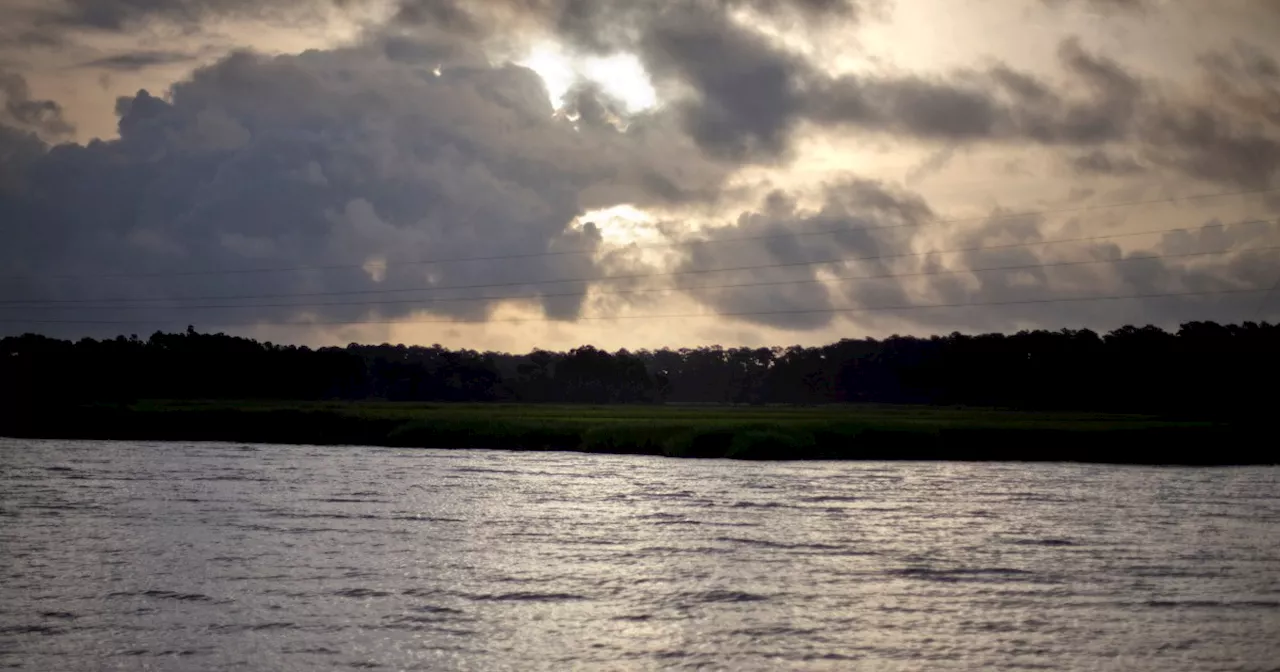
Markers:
744,98
930,109
18,150
1205,143
744,95
747,107
330,158
1229,136
747,92
1032,280
1235,137
877,260
791,243
43,117
748,95
998,105
412,146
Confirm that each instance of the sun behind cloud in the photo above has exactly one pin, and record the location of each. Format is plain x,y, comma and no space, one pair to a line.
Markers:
621,76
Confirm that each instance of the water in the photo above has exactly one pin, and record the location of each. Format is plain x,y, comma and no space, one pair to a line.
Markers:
215,556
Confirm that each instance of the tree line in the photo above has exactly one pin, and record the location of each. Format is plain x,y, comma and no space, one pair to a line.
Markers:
1202,368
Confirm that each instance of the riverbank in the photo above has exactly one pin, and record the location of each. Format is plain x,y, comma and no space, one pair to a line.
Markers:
761,433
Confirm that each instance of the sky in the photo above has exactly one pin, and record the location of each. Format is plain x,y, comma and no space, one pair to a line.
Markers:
512,174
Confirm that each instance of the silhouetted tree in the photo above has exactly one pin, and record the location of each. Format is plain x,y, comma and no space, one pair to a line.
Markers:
1202,369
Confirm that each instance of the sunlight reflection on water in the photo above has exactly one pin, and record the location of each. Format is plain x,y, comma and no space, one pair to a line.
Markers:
212,556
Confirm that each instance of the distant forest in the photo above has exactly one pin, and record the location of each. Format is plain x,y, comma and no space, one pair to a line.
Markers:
1203,368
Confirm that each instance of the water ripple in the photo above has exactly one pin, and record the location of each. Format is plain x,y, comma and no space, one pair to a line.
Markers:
189,556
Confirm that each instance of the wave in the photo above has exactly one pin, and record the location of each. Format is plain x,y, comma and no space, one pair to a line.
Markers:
361,593
800,546
1210,604
31,630
527,596
1042,542
724,596
956,575
254,627
164,595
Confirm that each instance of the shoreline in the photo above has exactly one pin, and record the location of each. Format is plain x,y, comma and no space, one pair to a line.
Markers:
752,433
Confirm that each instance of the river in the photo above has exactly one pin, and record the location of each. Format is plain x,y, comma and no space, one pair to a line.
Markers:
188,556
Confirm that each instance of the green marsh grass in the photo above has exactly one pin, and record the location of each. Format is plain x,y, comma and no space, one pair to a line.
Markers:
703,431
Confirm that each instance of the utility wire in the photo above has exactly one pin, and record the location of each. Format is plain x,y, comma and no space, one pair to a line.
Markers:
12,303
814,311
529,255
768,283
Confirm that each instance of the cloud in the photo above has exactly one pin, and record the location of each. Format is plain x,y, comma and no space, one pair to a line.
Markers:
747,94
1247,77
43,117
609,25
924,108
1102,162
116,15
18,151
794,247
736,90
934,163
1105,6
997,105
81,30
139,60
342,157
877,256
420,142
1204,143
744,97
1229,137
1037,283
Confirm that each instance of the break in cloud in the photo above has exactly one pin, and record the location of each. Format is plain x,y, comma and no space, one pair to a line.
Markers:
327,179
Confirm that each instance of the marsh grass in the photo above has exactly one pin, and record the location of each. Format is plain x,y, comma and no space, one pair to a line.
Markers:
755,432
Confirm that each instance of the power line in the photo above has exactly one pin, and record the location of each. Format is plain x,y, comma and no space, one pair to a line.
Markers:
813,311
529,255
13,303
1086,262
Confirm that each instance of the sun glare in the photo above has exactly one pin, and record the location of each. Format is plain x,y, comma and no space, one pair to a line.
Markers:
623,224
555,70
619,75
623,76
